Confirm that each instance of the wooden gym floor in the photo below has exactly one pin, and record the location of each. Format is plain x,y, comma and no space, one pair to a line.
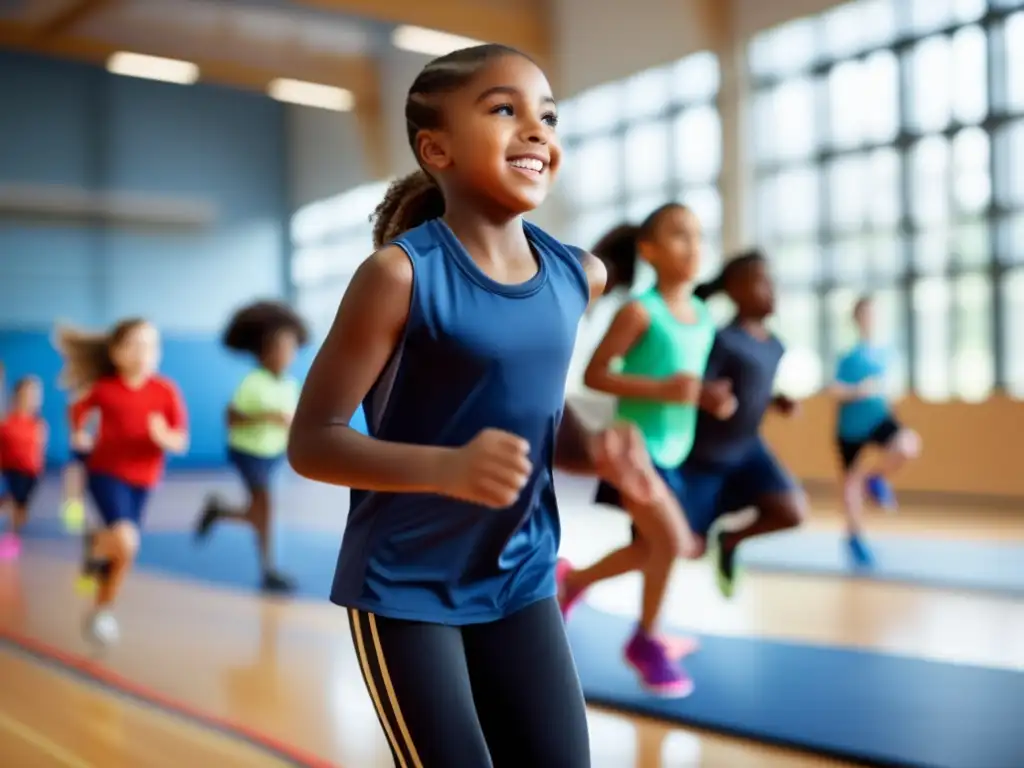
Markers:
285,670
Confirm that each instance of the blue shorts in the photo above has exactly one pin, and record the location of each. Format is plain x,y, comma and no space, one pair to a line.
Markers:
117,501
708,491
257,471
81,457
20,486
609,494
713,490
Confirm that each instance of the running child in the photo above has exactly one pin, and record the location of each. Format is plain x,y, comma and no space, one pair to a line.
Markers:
730,467
141,418
663,338
456,336
23,436
866,418
258,419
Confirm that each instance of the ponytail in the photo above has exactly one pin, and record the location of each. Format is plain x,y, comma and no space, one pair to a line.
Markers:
705,291
408,202
732,267
87,355
617,249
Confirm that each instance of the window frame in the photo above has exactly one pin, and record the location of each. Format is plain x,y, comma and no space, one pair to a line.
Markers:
909,234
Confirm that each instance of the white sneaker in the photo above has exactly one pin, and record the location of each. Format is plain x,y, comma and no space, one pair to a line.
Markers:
101,628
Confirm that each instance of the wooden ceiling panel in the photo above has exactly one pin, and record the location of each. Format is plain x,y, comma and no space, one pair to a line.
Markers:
525,24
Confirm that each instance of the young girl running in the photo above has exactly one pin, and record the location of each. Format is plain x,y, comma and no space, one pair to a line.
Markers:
456,335
730,467
866,418
23,435
258,419
141,418
663,338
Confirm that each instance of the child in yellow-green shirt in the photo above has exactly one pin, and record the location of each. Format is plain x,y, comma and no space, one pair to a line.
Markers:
259,417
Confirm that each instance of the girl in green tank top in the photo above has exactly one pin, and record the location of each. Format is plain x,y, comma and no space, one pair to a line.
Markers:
662,338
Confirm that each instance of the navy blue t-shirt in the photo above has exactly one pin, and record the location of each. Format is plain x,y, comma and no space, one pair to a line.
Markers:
475,354
750,363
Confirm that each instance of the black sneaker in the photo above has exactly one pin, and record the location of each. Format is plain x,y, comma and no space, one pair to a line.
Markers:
726,567
277,583
210,515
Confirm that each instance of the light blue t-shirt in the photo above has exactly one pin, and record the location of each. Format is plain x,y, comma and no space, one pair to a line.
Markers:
859,418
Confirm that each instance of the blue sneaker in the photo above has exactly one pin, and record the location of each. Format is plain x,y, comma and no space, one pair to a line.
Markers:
859,552
881,492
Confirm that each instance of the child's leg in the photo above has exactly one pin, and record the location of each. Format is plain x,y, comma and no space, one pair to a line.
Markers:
19,516
900,445
73,507
117,546
852,481
21,488
110,553
663,527
659,536
758,481
257,476
10,545
851,485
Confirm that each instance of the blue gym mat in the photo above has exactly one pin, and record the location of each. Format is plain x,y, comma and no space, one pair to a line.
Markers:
853,705
962,565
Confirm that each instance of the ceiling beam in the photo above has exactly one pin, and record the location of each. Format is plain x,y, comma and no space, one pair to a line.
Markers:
524,24
70,16
355,73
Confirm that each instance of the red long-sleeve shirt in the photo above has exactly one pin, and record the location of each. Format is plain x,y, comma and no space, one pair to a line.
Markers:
124,448
23,444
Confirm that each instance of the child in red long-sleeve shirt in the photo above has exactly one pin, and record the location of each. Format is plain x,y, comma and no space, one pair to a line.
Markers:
141,418
23,435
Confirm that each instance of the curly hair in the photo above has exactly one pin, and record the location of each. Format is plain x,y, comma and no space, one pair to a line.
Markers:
416,198
252,326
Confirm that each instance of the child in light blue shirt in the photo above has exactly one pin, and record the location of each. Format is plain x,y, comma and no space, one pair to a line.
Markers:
865,418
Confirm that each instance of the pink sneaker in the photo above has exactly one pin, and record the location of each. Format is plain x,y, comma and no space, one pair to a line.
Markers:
658,673
10,547
677,648
566,600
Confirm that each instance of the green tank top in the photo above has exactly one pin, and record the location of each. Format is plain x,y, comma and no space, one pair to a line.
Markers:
667,347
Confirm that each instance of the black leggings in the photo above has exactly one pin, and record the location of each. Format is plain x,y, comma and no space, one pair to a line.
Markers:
500,694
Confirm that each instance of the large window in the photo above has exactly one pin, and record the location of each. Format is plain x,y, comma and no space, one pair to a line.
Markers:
637,143
888,138
330,239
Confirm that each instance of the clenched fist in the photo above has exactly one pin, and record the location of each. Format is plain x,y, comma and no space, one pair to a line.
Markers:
490,470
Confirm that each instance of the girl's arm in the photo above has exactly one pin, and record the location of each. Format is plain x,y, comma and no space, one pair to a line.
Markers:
169,429
847,393
368,327
716,395
626,330
83,404
617,454
236,418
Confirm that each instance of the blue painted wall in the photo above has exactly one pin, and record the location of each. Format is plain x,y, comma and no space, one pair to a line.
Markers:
206,374
66,123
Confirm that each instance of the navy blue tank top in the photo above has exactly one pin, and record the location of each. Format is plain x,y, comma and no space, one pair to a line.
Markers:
475,354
